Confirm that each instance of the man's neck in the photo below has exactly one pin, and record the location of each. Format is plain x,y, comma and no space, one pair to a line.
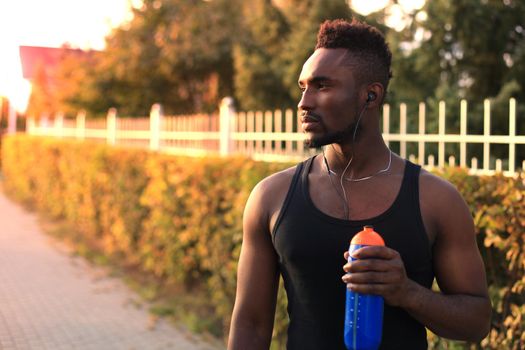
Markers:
365,158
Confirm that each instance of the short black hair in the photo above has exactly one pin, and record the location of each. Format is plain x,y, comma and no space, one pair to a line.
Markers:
366,45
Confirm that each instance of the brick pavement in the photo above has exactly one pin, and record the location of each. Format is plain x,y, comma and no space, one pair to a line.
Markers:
50,299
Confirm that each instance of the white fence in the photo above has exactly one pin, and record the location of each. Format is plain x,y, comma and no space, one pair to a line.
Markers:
277,136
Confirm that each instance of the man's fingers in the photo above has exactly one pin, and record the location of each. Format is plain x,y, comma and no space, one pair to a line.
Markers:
367,265
369,278
377,289
377,252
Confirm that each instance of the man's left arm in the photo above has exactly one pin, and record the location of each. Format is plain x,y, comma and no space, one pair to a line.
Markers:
462,309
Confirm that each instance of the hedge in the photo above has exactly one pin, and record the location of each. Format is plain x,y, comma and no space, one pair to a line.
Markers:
180,219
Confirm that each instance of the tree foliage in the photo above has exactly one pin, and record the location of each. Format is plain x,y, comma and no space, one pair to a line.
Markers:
42,101
187,55
78,84
258,68
305,18
471,47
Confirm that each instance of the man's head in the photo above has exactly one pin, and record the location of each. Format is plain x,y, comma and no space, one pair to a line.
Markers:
366,46
347,74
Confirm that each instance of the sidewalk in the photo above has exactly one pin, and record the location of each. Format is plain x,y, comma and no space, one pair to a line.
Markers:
51,300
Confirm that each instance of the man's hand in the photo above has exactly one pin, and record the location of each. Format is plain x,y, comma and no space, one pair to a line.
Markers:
379,270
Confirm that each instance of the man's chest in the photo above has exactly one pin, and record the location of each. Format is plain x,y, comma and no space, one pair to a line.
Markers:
354,201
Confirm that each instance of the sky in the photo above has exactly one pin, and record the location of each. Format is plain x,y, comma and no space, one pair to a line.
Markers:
51,23
83,24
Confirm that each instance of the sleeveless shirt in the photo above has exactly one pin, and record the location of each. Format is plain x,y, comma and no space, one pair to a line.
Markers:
310,246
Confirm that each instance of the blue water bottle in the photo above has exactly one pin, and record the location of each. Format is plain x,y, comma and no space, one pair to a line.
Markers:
364,312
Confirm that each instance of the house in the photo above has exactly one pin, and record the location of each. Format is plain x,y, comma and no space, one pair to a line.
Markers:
40,67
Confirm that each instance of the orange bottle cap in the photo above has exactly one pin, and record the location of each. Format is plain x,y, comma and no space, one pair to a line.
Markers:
368,237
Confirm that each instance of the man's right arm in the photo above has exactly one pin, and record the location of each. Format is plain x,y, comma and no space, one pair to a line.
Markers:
257,278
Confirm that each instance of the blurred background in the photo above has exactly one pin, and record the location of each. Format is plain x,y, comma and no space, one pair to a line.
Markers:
189,54
67,67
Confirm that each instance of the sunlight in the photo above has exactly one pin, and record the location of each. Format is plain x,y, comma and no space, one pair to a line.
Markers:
85,24
82,24
366,7
396,14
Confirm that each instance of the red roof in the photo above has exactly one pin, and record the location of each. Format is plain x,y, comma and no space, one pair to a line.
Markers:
34,56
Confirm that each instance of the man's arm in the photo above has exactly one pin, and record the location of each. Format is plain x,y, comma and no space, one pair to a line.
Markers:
462,309
257,279
459,269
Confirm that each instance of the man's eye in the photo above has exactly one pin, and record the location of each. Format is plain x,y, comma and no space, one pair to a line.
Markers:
321,86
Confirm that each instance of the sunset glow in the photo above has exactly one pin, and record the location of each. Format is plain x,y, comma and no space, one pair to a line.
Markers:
52,23
83,24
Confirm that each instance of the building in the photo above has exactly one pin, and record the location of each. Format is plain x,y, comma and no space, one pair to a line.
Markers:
40,67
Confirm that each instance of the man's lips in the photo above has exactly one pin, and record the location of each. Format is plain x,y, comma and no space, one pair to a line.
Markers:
309,122
310,118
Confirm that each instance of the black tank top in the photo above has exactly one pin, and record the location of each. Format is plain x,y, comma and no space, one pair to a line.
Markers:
310,246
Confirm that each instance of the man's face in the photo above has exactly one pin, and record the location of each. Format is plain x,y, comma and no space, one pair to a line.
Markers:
328,106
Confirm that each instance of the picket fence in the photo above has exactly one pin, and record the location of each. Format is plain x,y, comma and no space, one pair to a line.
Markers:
276,135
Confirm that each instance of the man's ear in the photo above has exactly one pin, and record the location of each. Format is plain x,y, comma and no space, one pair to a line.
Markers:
374,95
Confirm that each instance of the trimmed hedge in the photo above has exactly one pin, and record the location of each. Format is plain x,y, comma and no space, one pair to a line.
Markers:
180,219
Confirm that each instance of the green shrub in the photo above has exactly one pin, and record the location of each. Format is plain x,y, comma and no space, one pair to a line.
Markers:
180,219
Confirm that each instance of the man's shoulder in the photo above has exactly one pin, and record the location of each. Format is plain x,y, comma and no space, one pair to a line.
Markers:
276,182
267,198
434,185
442,205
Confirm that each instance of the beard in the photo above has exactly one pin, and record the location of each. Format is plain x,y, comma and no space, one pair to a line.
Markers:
340,136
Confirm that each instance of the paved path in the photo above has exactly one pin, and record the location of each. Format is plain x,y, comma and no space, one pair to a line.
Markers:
51,300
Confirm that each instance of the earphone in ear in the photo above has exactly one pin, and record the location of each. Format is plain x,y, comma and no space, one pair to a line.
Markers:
371,96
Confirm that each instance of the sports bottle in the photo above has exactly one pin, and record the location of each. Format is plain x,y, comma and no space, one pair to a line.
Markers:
363,312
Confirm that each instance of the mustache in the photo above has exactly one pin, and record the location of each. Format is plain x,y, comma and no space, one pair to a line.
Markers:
311,116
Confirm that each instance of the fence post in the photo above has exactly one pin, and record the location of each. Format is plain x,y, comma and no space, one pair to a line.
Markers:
512,134
403,130
30,130
441,131
499,166
431,161
486,133
267,129
155,124
289,129
463,133
227,113
386,123
111,126
59,125
451,161
81,125
422,131
44,124
474,166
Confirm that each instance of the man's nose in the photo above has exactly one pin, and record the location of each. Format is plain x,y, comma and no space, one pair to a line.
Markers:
306,102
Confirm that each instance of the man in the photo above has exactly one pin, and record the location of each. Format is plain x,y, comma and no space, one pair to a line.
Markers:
299,222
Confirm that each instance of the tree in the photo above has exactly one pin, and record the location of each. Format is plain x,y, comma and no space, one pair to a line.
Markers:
77,87
469,46
196,52
188,54
42,100
132,59
466,49
258,69
304,18
175,52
